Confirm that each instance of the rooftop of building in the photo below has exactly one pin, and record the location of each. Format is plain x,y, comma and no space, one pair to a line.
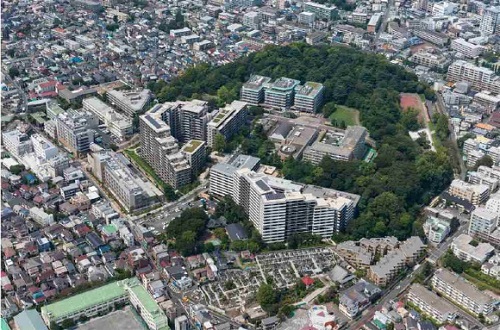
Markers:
227,112
479,252
135,100
256,82
84,300
192,145
432,300
284,84
309,89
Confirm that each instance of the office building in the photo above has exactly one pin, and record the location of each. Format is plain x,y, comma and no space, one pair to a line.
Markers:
161,150
466,48
483,220
463,249
281,93
117,124
461,292
75,130
431,304
128,187
309,97
279,208
321,11
131,103
472,193
307,18
484,177
252,91
17,144
489,21
478,77
338,146
227,121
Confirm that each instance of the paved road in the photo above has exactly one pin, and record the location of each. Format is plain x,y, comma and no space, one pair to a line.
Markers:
385,19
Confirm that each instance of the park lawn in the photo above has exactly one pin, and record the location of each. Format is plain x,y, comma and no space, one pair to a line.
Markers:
349,115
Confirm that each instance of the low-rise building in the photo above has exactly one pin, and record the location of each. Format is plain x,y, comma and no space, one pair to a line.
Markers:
463,248
309,97
475,194
431,304
461,292
347,146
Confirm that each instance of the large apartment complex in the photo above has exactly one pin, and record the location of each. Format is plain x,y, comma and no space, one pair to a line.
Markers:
160,149
279,208
431,304
461,292
283,93
187,120
480,78
129,189
338,146
227,121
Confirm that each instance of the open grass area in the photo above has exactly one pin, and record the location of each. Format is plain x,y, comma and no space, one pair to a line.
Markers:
349,115
145,166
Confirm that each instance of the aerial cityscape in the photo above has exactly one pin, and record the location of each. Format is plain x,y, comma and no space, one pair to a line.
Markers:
250,165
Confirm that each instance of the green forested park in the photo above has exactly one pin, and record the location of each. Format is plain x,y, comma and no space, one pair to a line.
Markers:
403,176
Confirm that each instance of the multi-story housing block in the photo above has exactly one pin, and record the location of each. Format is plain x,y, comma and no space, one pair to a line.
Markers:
227,121
118,125
490,21
321,11
431,304
131,103
17,143
475,194
75,130
461,292
468,49
480,78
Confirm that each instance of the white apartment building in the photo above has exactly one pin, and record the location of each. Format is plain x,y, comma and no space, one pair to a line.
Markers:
252,20
130,103
480,78
493,204
279,208
227,121
483,178
146,306
461,292
41,217
483,220
118,125
75,130
490,21
475,194
466,48
43,148
281,93
444,8
17,143
222,174
431,304
436,229
463,249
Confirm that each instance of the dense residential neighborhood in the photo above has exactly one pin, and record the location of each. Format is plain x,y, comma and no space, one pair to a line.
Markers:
250,164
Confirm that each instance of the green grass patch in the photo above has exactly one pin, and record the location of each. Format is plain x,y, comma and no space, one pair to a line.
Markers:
482,281
348,115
